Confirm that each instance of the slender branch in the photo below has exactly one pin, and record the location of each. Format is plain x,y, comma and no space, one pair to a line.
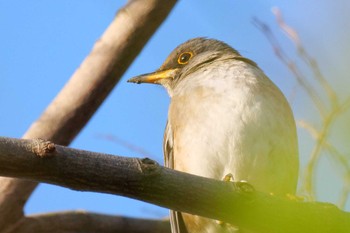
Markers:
339,157
343,161
321,142
82,222
89,86
345,192
302,81
123,143
311,129
308,184
143,179
345,105
311,62
328,116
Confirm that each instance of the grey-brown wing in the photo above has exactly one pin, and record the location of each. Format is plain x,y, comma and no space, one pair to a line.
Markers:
176,220
168,144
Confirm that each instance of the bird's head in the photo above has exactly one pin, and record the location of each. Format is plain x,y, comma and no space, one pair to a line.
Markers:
185,59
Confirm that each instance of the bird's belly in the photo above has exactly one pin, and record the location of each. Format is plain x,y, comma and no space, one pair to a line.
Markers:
241,139
210,145
203,155
214,149
251,138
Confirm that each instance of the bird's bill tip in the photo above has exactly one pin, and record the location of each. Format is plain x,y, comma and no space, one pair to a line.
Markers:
154,77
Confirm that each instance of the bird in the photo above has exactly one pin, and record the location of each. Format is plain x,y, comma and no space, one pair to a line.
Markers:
225,117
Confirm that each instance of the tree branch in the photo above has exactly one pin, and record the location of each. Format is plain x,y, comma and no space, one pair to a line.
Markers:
91,83
80,221
329,106
143,179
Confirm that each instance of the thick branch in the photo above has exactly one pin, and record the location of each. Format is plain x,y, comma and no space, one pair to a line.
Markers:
145,180
85,91
79,221
100,71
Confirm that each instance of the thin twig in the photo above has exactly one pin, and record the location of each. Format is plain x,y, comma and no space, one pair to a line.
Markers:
132,147
310,61
303,82
345,192
328,115
310,128
342,160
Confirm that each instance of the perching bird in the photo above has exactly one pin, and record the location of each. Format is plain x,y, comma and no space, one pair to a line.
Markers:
225,117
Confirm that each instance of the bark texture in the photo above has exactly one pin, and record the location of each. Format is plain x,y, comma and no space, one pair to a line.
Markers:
143,179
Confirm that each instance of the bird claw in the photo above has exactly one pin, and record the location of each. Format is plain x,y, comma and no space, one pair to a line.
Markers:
244,186
241,185
228,177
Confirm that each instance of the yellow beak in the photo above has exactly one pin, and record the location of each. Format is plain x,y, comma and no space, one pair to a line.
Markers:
154,77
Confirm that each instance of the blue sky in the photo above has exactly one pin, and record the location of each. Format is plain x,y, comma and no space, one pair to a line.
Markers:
43,42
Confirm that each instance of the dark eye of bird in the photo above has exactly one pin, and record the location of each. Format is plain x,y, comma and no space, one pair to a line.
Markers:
184,58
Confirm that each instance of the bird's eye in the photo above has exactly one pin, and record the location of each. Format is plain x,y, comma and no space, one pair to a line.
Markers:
184,58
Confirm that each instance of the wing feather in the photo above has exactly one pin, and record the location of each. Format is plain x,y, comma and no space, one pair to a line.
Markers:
176,220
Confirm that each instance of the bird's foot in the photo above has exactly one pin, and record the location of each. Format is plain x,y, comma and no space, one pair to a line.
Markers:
241,185
228,177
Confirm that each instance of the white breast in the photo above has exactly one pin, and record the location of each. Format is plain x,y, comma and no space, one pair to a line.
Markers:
234,120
